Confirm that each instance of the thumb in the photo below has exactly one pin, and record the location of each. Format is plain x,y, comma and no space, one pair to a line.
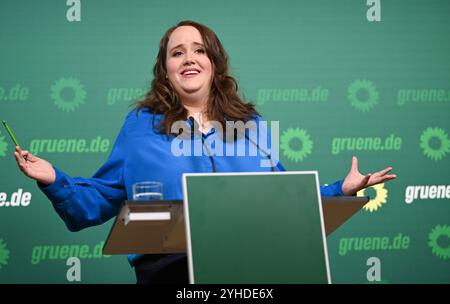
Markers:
354,164
29,156
366,179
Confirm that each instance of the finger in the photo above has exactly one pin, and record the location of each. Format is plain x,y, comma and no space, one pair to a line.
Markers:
389,177
31,157
27,155
20,161
366,179
380,180
383,172
16,156
19,150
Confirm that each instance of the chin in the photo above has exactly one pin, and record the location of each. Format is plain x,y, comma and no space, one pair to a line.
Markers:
191,89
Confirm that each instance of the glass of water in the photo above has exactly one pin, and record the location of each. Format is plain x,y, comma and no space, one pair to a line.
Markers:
147,191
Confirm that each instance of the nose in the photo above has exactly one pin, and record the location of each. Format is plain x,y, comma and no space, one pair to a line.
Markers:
188,59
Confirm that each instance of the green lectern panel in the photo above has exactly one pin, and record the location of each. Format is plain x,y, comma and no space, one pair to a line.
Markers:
255,228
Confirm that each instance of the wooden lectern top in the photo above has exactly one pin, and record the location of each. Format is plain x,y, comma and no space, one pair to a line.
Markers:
155,227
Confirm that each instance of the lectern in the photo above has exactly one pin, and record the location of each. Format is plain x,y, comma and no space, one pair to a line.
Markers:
239,227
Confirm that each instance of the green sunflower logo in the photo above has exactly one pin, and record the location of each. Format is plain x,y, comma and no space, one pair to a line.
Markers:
3,146
306,144
359,87
76,90
444,143
433,237
4,254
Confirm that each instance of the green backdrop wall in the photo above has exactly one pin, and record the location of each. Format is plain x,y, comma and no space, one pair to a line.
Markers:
340,84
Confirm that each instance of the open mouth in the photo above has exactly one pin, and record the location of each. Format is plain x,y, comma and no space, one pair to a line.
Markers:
189,73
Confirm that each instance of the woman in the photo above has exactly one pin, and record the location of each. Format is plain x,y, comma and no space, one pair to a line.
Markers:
190,80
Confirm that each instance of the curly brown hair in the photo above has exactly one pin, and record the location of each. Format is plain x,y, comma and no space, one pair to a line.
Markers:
224,103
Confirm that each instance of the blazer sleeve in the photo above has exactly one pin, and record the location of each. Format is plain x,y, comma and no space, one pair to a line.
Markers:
83,202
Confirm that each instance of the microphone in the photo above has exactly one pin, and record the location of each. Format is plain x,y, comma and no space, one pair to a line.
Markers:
272,168
192,122
187,132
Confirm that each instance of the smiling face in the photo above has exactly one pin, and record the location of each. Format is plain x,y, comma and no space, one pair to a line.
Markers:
188,66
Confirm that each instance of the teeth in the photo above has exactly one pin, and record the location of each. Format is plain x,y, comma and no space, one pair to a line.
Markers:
190,72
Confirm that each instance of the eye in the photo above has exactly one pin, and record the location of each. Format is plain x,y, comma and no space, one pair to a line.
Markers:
177,53
201,51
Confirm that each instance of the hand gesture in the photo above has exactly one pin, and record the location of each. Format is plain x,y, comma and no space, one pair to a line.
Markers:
35,167
355,181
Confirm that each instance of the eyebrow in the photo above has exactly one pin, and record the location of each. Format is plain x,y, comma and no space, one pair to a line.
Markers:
177,46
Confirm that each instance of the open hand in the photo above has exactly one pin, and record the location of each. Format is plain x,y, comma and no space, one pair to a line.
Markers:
355,181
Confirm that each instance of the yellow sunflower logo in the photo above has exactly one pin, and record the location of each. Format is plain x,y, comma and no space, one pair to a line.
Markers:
378,200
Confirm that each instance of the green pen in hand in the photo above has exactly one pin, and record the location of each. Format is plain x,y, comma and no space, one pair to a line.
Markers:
11,134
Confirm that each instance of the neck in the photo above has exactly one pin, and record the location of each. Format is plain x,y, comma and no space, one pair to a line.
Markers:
195,107
198,112
195,110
